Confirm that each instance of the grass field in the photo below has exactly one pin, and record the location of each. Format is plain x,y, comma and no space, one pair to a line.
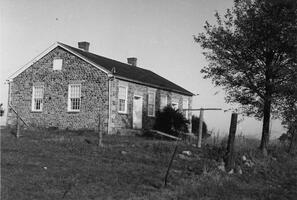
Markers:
69,165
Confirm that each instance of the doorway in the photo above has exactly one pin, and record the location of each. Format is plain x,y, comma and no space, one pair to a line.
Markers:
137,112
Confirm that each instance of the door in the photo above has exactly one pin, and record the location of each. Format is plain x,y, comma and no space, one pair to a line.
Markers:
137,112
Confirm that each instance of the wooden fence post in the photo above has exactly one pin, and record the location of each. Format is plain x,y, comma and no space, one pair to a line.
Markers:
200,128
18,131
99,132
170,163
229,161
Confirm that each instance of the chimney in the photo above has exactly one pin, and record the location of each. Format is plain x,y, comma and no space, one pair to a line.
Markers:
132,61
84,45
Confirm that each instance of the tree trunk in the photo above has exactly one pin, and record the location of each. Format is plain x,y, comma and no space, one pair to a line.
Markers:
267,104
266,122
293,141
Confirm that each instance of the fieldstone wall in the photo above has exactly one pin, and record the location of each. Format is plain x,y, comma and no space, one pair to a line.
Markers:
95,88
120,121
94,93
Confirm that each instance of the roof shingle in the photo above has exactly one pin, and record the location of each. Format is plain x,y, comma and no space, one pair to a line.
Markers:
132,73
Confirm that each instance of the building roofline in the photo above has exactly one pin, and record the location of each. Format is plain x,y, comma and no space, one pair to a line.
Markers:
83,58
109,73
46,51
31,62
152,85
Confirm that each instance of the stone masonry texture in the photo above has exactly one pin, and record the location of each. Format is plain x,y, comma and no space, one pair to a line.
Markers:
95,112
94,93
119,121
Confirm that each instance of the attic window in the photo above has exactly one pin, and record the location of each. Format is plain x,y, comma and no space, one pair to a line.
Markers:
57,64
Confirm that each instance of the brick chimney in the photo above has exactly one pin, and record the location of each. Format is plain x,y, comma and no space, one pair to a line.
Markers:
132,61
84,45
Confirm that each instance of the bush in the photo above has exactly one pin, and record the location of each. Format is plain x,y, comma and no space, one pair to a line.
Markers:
289,140
195,127
171,121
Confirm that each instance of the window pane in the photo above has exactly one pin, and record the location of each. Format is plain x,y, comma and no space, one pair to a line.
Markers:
150,109
151,104
122,92
122,105
163,101
75,91
75,103
38,92
38,103
57,64
185,104
74,97
151,98
37,97
122,98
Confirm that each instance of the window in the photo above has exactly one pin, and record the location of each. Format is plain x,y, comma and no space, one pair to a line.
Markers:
37,98
186,106
122,99
151,104
163,101
174,104
74,97
57,64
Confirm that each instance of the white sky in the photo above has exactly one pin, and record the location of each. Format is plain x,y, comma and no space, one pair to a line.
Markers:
158,32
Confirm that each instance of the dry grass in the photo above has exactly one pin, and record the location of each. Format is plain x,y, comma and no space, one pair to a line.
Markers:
68,165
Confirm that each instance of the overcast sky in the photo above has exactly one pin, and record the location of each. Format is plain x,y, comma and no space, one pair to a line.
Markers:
158,32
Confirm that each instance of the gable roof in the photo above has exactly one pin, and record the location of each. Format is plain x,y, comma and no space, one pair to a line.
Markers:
122,70
129,72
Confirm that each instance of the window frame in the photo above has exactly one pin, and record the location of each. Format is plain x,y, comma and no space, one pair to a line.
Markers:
56,61
69,105
33,103
154,103
186,112
166,101
126,99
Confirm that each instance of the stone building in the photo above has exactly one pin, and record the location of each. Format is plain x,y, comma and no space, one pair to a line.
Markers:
71,88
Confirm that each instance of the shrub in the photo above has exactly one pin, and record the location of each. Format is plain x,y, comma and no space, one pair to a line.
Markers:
284,138
195,127
289,139
171,121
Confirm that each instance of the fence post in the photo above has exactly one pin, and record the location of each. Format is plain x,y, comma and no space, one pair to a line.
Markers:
18,132
200,128
230,148
170,163
99,133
